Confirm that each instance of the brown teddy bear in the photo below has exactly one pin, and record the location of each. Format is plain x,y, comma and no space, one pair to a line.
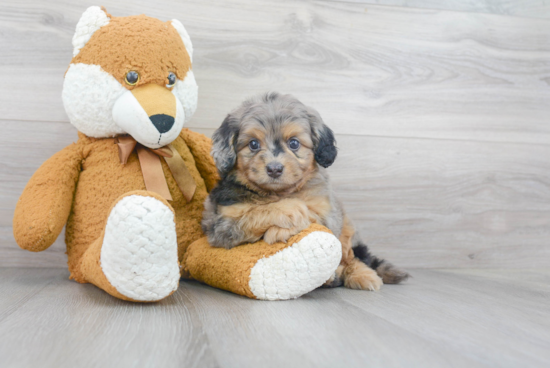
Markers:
131,189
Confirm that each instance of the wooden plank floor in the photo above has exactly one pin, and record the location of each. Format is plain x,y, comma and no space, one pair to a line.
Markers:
441,318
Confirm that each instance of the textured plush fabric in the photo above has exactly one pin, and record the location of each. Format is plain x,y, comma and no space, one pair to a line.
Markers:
297,269
230,269
92,201
184,37
165,51
131,270
108,48
89,96
46,201
139,255
44,206
93,19
200,147
90,266
130,113
187,93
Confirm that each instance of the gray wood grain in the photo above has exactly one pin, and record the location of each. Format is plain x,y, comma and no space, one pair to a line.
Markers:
519,8
444,203
72,325
388,71
440,318
17,286
458,309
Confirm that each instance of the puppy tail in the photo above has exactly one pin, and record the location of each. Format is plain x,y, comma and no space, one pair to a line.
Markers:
388,272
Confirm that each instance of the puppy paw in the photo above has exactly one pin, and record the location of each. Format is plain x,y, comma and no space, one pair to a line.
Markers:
277,234
358,275
291,213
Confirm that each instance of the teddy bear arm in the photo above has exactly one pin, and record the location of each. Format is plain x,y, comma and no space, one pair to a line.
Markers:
46,201
200,146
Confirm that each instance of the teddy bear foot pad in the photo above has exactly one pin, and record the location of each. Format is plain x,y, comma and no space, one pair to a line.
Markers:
139,255
298,269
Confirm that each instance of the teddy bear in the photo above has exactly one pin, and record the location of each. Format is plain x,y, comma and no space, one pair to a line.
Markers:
131,189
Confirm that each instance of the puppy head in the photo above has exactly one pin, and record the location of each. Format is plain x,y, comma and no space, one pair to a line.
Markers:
273,142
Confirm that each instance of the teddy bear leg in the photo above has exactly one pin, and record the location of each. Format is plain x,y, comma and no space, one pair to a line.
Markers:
136,258
269,272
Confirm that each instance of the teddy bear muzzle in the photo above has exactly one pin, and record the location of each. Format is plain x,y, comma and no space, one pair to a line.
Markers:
151,114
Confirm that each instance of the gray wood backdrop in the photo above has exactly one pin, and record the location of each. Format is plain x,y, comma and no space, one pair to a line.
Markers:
441,110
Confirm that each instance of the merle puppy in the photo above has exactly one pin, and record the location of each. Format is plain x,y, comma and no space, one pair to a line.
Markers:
271,154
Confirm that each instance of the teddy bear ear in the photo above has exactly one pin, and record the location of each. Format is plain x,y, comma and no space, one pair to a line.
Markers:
91,20
184,36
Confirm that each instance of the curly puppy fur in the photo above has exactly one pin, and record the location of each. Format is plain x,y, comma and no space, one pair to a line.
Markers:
271,154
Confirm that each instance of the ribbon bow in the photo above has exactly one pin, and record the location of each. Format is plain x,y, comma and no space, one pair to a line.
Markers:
151,167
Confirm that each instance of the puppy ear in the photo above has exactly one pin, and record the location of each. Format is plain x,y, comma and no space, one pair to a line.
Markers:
324,143
224,142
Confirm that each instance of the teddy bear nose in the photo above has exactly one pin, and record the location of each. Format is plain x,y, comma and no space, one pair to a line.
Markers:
274,169
162,122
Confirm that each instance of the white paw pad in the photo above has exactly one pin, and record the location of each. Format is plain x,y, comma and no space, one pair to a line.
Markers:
139,255
298,269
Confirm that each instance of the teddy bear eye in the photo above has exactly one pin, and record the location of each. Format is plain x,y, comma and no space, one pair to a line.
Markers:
294,144
171,79
132,77
254,145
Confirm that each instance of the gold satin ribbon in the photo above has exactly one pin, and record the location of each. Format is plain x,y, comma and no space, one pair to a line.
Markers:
151,167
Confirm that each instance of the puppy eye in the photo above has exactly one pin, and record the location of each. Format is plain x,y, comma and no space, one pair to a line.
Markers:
254,145
132,77
294,144
171,80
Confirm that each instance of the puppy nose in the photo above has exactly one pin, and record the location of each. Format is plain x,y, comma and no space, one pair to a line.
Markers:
162,122
274,169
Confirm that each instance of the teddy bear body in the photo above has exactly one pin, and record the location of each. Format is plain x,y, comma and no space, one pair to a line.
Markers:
100,163
79,168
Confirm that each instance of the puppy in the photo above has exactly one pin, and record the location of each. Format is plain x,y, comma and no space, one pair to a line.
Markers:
271,154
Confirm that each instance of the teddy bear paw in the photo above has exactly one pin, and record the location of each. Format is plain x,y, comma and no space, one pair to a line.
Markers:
298,269
139,255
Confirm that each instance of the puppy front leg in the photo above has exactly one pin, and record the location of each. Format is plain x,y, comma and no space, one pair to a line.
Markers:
233,225
226,232
285,218
353,273
222,229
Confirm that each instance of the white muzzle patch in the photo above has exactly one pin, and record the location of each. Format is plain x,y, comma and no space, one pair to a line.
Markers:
129,115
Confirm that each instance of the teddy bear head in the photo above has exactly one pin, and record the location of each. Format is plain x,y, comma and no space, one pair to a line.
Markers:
130,75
